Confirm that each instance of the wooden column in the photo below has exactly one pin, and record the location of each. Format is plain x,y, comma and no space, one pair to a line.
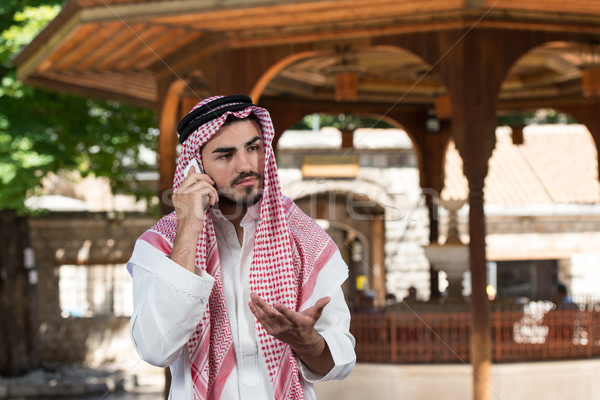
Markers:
377,277
432,183
474,71
481,343
168,118
18,319
430,150
587,114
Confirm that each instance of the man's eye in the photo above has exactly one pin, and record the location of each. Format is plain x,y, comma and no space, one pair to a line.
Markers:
253,147
224,156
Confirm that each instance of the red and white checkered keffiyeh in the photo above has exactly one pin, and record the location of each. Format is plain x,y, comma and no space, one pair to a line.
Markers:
290,250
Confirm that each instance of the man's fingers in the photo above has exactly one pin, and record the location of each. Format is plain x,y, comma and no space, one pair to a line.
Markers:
322,302
316,310
193,199
200,188
269,318
190,184
288,314
258,306
280,310
258,313
194,177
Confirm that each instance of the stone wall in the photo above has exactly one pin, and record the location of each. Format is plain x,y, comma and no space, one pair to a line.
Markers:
81,239
390,180
568,233
101,238
571,238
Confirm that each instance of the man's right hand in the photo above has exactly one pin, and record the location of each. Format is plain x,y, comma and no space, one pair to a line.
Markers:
192,197
189,201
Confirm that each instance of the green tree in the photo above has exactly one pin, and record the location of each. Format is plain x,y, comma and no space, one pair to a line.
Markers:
340,121
43,132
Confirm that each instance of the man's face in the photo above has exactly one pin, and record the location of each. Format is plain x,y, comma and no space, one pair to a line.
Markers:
235,159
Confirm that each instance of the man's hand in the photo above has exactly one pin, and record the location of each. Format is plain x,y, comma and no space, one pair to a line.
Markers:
189,202
192,197
296,329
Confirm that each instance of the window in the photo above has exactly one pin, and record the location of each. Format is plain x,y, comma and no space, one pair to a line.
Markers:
95,290
533,279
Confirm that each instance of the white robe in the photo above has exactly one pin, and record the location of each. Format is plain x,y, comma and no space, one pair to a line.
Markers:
169,302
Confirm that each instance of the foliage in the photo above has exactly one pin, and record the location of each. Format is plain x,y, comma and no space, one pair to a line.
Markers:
346,121
340,121
43,131
538,117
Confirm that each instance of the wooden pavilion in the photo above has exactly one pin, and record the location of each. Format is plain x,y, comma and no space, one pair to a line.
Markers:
466,60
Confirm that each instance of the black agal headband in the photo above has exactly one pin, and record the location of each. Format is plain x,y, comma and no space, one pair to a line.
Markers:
210,111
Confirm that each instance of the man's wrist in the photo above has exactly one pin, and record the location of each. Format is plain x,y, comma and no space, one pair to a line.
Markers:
316,357
184,247
312,347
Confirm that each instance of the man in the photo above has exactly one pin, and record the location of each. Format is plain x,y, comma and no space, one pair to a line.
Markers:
238,291
562,299
412,295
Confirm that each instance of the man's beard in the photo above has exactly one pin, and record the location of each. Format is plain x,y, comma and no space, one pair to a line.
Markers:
251,198
231,199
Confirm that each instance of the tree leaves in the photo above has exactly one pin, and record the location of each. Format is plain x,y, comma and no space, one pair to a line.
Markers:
43,131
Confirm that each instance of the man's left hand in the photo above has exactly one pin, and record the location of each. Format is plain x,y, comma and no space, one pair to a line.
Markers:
296,329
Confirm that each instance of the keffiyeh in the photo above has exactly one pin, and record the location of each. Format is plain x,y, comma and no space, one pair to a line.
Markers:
290,250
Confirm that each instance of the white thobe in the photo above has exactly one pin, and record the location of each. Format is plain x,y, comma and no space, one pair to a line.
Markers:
169,302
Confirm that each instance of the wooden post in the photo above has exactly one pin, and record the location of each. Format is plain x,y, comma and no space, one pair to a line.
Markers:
393,338
18,327
473,89
168,118
480,346
430,150
167,143
377,259
587,114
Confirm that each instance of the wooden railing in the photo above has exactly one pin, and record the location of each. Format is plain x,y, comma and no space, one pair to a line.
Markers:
443,337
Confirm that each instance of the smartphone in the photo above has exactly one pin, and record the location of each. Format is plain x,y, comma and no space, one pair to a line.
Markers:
194,163
186,171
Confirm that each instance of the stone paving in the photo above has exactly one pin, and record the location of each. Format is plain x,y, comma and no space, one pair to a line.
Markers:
117,396
56,381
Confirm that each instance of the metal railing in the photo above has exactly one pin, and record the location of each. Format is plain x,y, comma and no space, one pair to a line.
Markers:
529,334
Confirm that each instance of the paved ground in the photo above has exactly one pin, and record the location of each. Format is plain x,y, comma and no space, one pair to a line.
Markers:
115,396
138,381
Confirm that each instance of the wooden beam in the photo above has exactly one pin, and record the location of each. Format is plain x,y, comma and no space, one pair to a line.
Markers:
166,48
307,13
122,84
186,58
87,44
148,53
56,33
147,35
558,102
69,47
91,92
96,54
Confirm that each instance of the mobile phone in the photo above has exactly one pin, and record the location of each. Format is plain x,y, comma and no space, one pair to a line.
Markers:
198,169
194,163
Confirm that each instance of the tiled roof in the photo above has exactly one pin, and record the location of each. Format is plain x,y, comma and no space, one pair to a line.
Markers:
557,164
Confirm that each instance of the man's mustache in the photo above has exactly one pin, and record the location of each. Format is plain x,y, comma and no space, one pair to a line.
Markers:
245,175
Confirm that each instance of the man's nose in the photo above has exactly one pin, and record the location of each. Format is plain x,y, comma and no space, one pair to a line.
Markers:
244,163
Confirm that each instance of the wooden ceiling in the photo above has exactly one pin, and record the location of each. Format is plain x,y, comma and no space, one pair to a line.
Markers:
121,49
